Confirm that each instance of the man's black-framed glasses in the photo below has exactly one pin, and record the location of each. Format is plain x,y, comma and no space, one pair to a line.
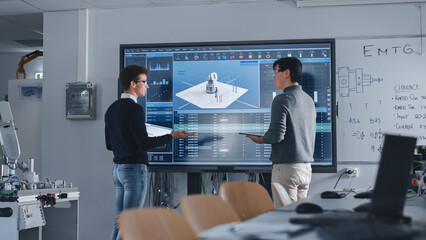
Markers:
142,81
280,71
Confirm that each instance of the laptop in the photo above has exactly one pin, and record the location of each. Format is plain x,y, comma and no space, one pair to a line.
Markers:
387,202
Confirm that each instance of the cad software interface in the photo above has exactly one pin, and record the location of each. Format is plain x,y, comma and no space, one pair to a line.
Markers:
221,91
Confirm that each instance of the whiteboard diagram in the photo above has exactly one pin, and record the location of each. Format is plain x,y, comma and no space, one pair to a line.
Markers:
353,80
379,93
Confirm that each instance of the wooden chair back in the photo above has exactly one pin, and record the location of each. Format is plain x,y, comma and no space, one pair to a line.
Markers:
206,211
154,223
249,199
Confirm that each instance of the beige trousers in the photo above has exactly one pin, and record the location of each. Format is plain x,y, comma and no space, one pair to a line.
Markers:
295,178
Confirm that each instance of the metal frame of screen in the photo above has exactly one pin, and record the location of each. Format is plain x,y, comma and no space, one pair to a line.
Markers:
221,52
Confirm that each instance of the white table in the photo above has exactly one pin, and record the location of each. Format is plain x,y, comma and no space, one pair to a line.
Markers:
278,220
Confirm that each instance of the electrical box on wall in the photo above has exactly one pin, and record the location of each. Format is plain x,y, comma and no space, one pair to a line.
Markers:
80,101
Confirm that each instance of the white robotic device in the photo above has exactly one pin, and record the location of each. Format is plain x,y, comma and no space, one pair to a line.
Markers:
211,83
10,149
8,139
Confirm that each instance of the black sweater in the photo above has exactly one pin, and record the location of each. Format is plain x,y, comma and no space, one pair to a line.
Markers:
125,133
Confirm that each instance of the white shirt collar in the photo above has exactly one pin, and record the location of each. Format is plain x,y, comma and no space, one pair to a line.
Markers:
126,95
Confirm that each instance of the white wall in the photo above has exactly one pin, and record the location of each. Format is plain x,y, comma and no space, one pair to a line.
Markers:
9,65
75,151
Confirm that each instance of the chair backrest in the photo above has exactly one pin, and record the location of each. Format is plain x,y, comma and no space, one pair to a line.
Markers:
154,223
206,211
249,199
281,193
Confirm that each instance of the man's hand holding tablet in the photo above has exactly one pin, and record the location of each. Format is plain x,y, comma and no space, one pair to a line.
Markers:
257,138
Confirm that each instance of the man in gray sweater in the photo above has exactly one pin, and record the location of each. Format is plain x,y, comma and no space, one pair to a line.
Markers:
291,132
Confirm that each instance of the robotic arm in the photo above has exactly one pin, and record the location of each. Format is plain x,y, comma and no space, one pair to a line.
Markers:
8,139
26,59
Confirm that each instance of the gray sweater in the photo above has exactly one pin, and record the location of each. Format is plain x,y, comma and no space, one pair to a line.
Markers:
293,127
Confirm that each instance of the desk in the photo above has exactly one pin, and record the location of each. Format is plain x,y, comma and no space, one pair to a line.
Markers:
415,208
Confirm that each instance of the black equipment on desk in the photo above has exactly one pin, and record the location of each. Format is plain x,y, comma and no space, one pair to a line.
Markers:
366,194
332,194
390,188
307,207
372,230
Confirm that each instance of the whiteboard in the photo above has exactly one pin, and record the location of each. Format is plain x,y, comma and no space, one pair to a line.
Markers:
380,88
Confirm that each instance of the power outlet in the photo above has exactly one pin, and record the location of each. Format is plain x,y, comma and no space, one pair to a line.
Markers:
354,172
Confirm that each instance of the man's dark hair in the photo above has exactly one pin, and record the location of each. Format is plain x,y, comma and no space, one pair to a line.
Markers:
131,73
291,63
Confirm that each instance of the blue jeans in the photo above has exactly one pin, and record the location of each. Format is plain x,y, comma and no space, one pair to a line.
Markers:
130,182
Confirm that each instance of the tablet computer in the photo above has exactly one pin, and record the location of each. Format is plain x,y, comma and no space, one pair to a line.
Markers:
156,130
252,134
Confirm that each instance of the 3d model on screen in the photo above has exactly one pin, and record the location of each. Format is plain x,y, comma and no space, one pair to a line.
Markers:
202,95
211,80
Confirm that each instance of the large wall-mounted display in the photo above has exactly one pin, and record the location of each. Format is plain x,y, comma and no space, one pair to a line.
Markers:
219,89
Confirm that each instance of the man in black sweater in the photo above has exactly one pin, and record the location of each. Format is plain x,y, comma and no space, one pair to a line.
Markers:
127,138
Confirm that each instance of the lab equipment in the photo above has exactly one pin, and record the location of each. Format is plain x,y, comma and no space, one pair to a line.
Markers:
23,202
8,139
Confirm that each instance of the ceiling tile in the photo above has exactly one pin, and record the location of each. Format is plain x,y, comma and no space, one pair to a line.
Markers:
16,7
180,2
118,3
30,20
243,1
31,42
7,46
13,31
59,5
